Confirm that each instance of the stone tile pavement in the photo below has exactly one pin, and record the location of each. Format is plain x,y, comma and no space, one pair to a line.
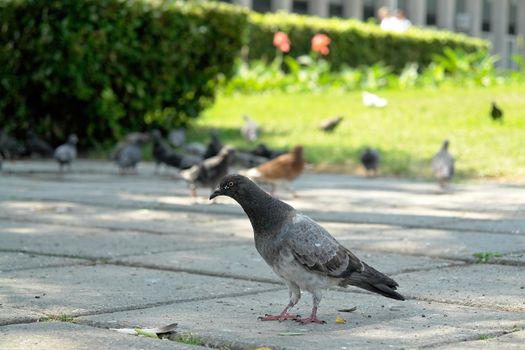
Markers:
91,250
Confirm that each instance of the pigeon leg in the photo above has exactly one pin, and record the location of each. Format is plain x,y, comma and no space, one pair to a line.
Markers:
295,295
313,317
283,316
291,190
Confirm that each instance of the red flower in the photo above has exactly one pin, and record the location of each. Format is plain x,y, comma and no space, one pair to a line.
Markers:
320,44
281,41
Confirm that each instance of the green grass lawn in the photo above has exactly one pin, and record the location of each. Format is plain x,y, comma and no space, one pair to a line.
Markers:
407,132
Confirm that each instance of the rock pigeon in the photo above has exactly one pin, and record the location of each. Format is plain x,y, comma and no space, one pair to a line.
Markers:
249,160
66,153
264,151
209,172
329,125
177,137
215,145
370,160
281,170
37,146
129,156
195,148
250,130
299,250
496,113
443,165
131,138
372,100
163,154
10,148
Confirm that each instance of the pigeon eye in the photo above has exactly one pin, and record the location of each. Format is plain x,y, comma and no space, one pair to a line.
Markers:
230,184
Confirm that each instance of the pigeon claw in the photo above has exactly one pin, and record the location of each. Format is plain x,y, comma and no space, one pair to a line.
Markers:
280,318
310,320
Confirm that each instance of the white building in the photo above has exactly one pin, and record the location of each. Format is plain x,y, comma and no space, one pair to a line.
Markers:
500,21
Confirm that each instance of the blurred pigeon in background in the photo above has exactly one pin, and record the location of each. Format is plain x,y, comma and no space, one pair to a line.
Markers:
249,160
264,151
37,146
329,125
177,137
370,160
129,156
195,148
65,154
159,149
10,148
129,139
300,251
443,165
496,113
215,145
372,100
281,170
250,130
163,154
209,172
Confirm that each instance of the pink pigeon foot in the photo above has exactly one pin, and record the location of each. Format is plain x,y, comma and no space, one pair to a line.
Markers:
310,320
282,317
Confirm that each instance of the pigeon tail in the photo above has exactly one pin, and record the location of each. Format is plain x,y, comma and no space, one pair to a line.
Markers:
373,281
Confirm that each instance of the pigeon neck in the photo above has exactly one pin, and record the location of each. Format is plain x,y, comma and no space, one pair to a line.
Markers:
265,212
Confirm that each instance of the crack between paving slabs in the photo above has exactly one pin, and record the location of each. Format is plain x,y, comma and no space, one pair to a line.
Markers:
142,231
339,289
208,209
208,341
264,280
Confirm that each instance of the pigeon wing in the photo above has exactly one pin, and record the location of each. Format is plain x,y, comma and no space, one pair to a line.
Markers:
314,248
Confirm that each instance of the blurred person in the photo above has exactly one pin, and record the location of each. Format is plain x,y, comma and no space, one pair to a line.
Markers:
400,23
385,20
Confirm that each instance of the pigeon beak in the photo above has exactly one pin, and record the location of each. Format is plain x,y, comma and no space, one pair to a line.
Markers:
215,193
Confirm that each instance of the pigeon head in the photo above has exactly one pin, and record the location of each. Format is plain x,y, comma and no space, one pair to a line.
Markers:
445,145
232,186
72,139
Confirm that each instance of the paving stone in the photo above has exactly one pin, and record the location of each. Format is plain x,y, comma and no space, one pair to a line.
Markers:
9,315
102,243
85,289
481,285
145,220
513,341
377,323
19,261
431,242
61,335
244,261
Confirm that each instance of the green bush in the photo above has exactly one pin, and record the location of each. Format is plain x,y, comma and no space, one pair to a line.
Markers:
103,67
355,43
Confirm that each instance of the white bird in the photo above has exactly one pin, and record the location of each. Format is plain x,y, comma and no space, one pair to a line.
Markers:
250,130
372,100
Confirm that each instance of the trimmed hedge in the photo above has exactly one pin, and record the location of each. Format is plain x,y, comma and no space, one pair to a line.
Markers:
103,67
354,43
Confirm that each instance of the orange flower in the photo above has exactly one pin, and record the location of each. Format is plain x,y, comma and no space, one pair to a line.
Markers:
320,44
281,41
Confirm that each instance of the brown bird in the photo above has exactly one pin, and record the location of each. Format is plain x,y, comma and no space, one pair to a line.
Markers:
279,171
329,125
